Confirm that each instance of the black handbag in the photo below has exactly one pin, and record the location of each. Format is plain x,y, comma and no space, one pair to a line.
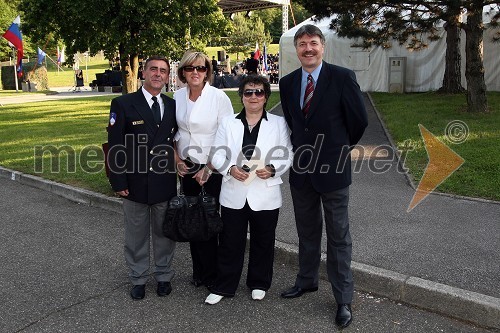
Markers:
192,218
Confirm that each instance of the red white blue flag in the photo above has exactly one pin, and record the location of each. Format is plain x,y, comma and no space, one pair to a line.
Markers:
257,51
13,36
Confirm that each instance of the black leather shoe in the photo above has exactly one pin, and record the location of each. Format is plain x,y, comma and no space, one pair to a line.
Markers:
138,291
297,292
344,315
164,288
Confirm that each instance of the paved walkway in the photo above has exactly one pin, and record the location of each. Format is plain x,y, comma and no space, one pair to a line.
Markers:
58,93
442,256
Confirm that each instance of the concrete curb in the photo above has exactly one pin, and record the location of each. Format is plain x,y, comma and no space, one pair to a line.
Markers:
458,303
479,309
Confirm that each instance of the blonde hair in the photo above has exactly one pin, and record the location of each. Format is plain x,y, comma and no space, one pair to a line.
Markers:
188,59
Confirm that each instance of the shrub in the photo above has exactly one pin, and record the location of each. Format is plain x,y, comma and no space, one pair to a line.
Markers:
39,75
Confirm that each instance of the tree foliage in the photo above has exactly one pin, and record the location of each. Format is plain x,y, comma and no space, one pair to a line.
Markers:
128,27
8,12
7,15
414,23
246,32
272,19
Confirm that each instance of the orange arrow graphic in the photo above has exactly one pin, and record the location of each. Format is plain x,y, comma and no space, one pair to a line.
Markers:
442,163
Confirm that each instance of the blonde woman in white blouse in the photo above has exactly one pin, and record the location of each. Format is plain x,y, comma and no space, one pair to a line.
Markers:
199,110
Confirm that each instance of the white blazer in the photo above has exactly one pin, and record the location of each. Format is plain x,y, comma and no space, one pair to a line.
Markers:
274,146
196,134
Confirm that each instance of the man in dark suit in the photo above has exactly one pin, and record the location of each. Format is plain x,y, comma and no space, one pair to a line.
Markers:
141,160
324,109
252,64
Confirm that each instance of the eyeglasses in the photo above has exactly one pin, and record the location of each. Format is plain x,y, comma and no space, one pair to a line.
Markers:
200,69
258,93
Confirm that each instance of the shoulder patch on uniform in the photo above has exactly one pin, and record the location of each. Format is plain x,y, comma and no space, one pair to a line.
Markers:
112,118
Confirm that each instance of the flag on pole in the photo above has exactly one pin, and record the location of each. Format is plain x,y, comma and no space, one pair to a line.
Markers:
13,36
63,57
266,68
58,56
41,56
257,51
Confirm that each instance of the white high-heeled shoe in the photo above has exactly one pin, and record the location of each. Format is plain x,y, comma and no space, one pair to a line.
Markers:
213,299
258,294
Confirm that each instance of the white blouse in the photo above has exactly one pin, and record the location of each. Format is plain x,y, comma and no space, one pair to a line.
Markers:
198,121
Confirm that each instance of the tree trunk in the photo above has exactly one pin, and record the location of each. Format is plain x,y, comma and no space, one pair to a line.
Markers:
130,67
474,69
452,81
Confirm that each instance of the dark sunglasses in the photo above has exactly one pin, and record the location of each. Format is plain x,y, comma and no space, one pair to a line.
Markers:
258,92
200,69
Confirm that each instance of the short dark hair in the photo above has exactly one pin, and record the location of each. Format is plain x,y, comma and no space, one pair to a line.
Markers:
310,30
256,80
156,57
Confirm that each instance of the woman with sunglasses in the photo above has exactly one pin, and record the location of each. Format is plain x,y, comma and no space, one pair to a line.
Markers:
199,111
251,150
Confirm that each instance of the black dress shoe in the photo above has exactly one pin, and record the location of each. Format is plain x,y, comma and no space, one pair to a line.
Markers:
138,291
297,292
344,315
164,288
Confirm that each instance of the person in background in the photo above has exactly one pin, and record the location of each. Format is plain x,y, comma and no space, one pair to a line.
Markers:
200,108
228,65
250,195
215,66
142,171
252,64
324,109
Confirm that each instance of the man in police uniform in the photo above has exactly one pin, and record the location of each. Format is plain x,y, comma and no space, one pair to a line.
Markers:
141,161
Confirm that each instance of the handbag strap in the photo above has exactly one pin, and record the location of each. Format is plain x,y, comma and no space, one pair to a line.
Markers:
181,188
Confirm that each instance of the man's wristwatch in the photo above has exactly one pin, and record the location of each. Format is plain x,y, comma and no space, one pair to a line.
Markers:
208,170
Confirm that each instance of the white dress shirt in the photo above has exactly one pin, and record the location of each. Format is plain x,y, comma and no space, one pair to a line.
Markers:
150,101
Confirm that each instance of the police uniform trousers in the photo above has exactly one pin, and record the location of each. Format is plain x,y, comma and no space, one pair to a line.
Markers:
142,223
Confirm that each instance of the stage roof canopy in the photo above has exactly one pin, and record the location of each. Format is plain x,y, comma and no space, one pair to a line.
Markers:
233,6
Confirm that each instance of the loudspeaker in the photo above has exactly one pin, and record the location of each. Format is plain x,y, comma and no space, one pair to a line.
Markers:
221,55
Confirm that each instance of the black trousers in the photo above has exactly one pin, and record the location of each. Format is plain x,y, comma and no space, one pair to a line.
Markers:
203,254
231,253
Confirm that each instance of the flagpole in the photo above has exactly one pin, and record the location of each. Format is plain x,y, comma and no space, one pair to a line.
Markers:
55,63
15,72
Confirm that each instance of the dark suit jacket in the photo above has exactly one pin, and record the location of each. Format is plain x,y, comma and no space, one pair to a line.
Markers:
141,155
336,120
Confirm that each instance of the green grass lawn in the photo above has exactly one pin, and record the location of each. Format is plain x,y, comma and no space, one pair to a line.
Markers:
74,127
479,176
66,76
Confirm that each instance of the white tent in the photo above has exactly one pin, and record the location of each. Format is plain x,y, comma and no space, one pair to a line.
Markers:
424,69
